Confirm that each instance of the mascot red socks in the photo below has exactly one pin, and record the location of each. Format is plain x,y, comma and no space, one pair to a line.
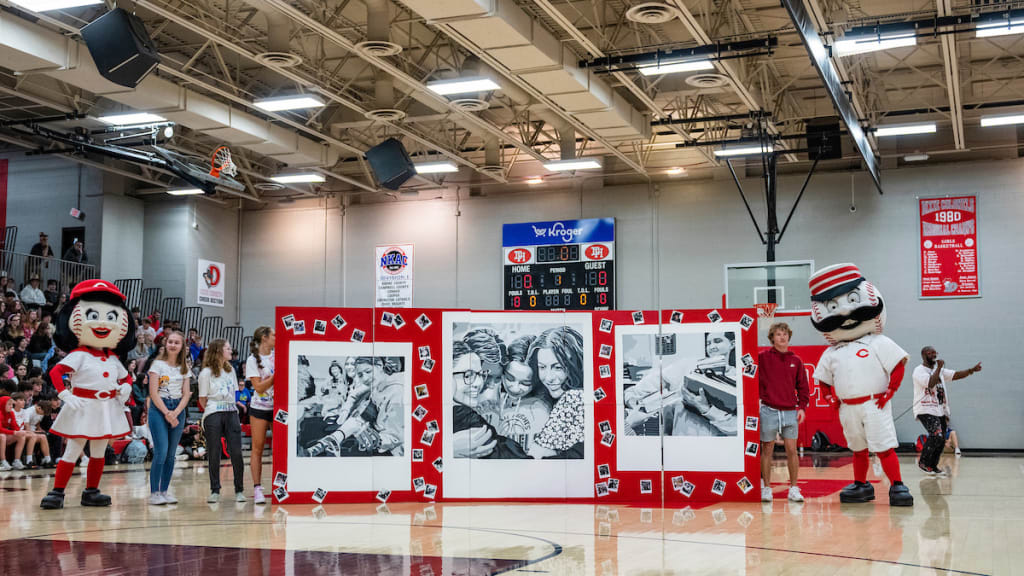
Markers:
93,385
860,371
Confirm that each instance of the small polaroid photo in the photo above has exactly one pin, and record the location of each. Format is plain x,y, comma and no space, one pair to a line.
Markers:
608,439
417,454
428,364
752,448
606,325
438,464
676,317
424,352
714,316
687,489
750,371
319,513
751,423
387,319
432,426
745,519
638,317
319,327
358,335
745,485
605,351
299,327
428,438
338,322
280,494
677,483
746,321
430,491
421,391
419,413
281,417
747,359
646,516
613,486
602,489
604,471
418,484
605,371
718,487
280,479
646,486
398,321
383,495
719,516
288,321
319,495
423,322
604,426
599,394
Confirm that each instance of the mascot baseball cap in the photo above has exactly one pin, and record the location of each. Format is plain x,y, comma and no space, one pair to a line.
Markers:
831,281
94,286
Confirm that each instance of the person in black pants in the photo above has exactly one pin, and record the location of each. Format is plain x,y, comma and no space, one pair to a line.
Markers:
217,387
931,405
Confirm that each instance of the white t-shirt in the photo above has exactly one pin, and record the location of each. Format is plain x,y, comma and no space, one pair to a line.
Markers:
170,379
264,401
219,391
934,401
861,367
29,418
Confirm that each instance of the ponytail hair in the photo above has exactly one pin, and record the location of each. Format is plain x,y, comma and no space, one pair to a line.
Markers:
254,344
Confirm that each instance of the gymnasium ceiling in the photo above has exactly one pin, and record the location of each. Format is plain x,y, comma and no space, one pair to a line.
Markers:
224,54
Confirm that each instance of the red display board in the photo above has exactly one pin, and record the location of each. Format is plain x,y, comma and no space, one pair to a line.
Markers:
411,445
949,247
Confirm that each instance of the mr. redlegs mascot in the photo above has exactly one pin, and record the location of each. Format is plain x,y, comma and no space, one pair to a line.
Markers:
95,326
860,371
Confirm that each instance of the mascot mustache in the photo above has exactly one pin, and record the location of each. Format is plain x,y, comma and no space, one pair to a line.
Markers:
833,323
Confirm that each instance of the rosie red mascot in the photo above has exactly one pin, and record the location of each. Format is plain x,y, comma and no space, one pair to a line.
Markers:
95,327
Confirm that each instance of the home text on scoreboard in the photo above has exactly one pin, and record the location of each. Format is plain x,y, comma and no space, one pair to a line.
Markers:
559,265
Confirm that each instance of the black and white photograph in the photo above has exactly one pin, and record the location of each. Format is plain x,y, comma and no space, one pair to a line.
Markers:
281,417
750,370
432,426
280,494
358,335
606,325
439,464
288,321
419,413
714,316
319,327
605,371
608,439
677,483
383,495
613,484
398,321
520,389
646,487
430,491
387,319
601,488
299,327
417,455
319,495
424,352
427,438
638,317
747,359
338,322
423,321
428,365
604,471
604,426
718,487
752,448
605,351
280,479
418,484
599,395
676,317
687,489
746,321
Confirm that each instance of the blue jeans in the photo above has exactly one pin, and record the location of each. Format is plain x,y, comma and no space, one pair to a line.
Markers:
165,444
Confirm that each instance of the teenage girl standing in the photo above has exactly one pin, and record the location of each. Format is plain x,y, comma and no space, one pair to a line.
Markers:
259,369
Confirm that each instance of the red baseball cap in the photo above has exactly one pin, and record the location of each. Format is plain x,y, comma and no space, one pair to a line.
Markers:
93,286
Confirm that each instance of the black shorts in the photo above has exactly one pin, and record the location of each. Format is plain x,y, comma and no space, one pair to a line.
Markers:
267,415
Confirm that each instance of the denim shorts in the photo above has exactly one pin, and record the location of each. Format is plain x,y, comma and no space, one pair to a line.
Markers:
775,421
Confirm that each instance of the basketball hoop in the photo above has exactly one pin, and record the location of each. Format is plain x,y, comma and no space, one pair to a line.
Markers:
221,163
766,310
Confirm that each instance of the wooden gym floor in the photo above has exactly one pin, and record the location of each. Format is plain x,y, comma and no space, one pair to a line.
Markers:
971,522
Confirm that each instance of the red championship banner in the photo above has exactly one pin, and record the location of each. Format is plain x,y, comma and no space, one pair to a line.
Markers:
949,247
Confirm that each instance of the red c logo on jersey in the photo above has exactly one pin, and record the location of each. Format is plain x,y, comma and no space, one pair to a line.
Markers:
862,353
519,256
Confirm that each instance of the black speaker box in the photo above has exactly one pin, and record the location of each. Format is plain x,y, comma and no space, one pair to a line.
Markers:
823,139
390,163
122,49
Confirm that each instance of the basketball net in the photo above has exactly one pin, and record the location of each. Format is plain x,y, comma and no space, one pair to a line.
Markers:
766,310
221,163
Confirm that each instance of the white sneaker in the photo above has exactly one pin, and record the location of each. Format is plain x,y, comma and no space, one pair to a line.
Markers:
213,498
766,494
157,499
4,465
795,495
18,465
169,498
240,497
957,451
257,496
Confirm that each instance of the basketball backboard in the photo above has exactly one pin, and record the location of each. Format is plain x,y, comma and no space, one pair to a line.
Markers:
784,283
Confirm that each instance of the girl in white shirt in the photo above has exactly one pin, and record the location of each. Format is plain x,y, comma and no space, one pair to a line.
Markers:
217,387
169,392
259,369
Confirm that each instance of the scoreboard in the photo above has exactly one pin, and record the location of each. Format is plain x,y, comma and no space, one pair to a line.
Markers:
559,265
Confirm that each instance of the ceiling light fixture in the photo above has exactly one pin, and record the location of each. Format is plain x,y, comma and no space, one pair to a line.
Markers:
535,181
577,164
675,171
918,157
441,167
873,43
905,129
463,85
47,5
185,192
131,118
1003,28
663,68
295,102
303,178
745,150
1002,120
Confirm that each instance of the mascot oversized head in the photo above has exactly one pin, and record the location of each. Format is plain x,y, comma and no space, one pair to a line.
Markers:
96,317
845,306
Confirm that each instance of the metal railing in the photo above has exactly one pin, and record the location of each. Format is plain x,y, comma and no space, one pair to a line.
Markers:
20,267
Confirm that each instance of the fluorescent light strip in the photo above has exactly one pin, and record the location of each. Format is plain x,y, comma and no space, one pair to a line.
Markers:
298,178
47,5
288,103
745,150
441,167
463,85
535,181
1002,120
850,46
676,67
131,118
905,129
580,164
915,157
185,192
1000,29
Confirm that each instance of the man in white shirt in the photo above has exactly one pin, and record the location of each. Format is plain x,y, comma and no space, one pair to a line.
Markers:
31,295
931,406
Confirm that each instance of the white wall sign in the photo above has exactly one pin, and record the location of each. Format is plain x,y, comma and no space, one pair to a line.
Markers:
394,276
210,291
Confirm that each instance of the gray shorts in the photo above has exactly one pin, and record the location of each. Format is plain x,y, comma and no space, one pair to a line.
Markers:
775,421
